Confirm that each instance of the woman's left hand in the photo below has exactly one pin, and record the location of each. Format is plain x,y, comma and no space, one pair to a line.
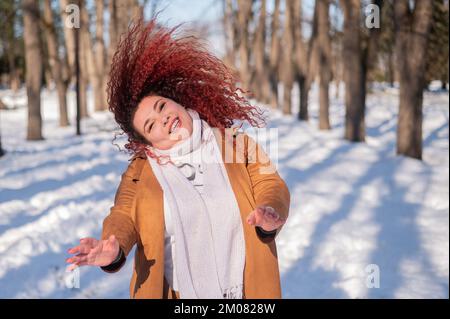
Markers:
265,217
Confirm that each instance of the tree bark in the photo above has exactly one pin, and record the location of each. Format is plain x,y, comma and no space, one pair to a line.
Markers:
354,73
390,70
137,10
261,85
100,94
229,31
33,62
244,16
49,81
118,22
288,58
14,79
324,52
69,39
9,39
55,62
274,58
411,30
91,65
301,61
112,8
337,70
118,19
83,62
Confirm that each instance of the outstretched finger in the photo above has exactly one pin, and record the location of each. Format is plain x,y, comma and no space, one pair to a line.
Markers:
82,249
77,259
84,263
89,241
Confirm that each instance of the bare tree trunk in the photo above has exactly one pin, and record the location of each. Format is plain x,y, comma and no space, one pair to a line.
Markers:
411,44
100,95
117,22
69,38
9,42
274,58
230,41
137,10
83,78
324,52
337,72
301,61
288,58
304,60
113,37
124,15
55,63
244,16
306,82
33,61
9,39
261,85
91,65
84,61
67,69
14,79
118,19
390,70
47,72
354,73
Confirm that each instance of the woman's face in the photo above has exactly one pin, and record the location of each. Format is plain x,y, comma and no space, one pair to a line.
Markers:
162,122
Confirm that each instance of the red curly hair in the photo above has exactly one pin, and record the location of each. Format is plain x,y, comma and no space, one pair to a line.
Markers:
151,60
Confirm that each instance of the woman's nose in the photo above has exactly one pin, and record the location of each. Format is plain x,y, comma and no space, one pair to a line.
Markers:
165,120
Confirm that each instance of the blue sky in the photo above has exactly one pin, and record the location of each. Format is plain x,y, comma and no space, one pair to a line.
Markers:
208,12
193,12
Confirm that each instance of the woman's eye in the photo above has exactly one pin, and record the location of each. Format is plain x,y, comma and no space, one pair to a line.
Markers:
161,105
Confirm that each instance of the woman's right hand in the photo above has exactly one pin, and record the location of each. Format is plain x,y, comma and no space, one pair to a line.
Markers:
93,252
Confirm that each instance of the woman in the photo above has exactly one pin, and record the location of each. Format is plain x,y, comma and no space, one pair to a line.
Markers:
204,222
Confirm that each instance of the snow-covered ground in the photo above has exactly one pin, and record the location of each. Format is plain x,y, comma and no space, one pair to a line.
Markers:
364,223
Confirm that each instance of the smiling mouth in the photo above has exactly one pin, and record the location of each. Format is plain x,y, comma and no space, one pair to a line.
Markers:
175,125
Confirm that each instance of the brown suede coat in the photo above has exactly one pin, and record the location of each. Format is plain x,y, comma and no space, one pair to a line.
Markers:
137,217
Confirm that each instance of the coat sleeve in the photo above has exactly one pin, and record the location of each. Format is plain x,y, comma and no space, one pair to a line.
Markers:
269,188
119,221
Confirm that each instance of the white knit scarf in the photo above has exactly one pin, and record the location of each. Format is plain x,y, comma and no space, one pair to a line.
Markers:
209,237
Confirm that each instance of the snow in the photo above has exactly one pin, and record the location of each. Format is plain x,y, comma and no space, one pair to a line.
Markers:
358,211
